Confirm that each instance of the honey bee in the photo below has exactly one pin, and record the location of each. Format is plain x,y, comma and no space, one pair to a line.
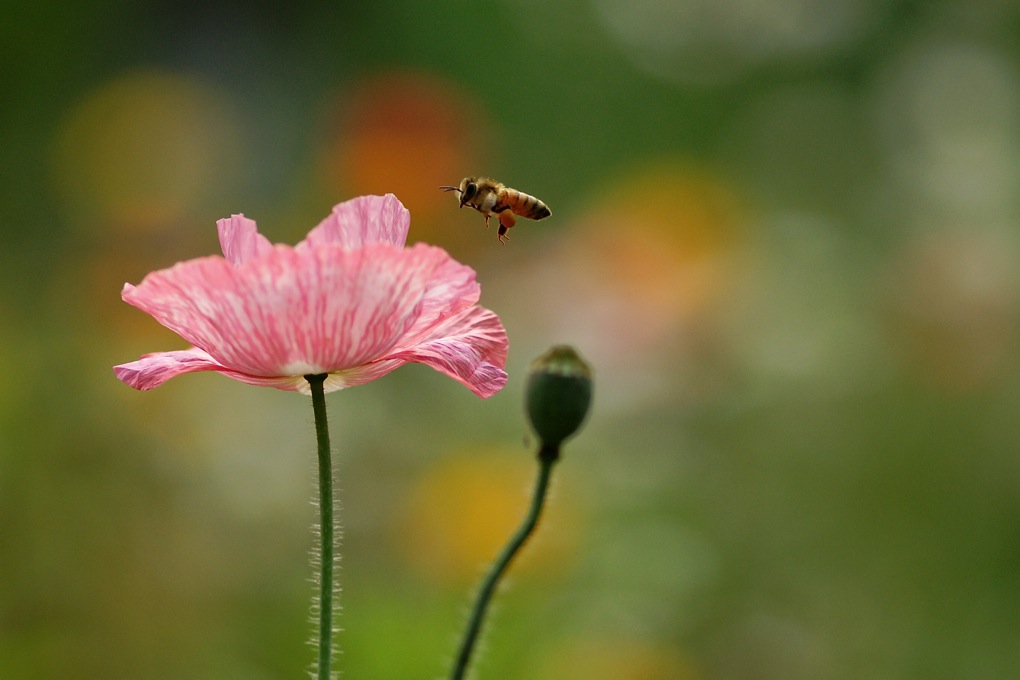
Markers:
488,196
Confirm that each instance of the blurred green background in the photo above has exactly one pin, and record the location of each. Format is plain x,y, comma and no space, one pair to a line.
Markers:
784,233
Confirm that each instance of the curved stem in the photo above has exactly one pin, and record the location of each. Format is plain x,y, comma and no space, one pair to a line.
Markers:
547,456
325,638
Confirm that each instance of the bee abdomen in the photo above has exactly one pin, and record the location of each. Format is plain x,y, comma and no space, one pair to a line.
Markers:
526,205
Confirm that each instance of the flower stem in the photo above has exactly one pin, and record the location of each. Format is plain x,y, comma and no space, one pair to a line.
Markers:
325,639
547,456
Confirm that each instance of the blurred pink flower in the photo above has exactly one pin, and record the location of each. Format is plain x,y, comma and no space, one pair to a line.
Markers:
350,301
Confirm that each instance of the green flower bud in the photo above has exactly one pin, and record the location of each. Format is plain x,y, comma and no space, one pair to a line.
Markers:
558,395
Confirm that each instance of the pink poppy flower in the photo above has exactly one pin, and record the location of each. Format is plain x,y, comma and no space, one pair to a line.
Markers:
349,301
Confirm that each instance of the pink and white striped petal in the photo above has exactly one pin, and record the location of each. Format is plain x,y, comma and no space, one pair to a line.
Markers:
240,239
152,370
361,221
470,347
349,301
293,313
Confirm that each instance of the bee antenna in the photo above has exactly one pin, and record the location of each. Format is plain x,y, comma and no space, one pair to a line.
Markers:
447,188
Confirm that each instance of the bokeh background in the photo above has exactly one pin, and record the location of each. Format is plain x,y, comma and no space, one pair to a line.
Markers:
785,234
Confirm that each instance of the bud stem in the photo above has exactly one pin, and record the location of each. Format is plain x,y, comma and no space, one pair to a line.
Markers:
547,457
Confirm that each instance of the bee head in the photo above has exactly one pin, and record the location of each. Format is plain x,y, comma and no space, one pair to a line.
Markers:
467,190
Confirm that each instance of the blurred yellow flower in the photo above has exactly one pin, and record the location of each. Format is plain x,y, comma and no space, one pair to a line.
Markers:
465,507
139,152
614,658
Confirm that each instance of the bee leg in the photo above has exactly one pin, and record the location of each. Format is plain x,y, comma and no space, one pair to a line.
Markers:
506,220
486,221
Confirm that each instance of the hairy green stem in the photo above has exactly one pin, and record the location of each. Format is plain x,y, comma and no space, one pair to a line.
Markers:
547,457
325,638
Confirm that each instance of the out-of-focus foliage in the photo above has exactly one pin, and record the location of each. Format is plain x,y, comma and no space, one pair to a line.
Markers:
786,235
